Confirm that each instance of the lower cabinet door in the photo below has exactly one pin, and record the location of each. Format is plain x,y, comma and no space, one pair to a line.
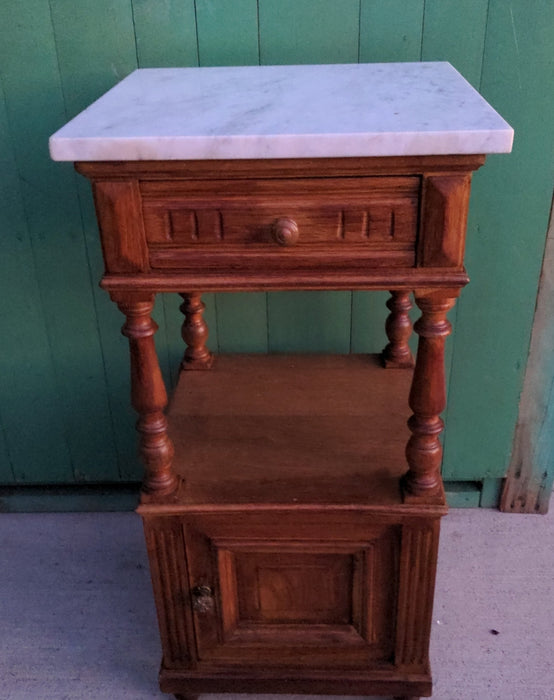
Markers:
299,595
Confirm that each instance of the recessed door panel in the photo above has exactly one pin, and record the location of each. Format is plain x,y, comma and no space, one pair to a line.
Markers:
305,602
294,587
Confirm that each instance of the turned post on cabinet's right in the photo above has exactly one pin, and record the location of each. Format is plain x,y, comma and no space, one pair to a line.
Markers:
441,245
428,392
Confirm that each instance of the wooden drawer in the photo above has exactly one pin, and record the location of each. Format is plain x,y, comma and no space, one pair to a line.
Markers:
270,222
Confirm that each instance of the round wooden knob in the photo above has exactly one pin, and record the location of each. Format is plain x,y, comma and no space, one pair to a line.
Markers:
285,231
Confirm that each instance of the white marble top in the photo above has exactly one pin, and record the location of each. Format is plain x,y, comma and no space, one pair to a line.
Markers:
379,109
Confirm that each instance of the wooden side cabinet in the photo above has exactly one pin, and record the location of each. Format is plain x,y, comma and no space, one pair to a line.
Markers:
246,604
291,503
290,559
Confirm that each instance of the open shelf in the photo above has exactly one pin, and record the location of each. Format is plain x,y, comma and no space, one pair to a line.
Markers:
291,429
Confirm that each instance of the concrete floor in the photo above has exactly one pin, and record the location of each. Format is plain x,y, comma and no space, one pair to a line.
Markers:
77,619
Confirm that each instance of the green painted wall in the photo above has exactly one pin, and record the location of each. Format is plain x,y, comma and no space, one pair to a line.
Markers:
64,410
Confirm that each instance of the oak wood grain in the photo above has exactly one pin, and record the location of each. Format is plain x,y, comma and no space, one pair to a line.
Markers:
291,429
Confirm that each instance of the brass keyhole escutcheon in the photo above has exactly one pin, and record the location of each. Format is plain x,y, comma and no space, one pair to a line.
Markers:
202,599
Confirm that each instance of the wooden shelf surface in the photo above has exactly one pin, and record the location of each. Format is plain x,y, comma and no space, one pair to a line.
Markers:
291,429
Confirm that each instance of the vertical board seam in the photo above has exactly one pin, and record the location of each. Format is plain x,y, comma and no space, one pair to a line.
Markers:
169,365
484,45
7,446
258,32
216,312
57,58
199,62
259,38
2,422
267,295
132,4
351,320
459,301
359,29
422,29
24,208
86,251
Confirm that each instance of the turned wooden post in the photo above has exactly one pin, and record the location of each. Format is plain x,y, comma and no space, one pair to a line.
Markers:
148,394
397,353
195,333
428,393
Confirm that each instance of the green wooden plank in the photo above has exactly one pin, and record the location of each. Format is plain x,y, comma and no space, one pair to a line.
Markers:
114,350
391,31
490,493
227,32
92,57
172,344
242,322
444,22
369,313
462,494
309,322
35,109
91,61
95,45
309,31
7,474
454,31
32,435
511,203
165,33
210,316
228,35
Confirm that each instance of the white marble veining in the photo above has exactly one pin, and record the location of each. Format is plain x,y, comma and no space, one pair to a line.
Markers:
384,109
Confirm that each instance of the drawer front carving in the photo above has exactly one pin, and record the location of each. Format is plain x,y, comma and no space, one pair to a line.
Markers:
187,221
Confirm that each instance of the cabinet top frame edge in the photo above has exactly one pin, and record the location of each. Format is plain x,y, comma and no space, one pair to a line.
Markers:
279,168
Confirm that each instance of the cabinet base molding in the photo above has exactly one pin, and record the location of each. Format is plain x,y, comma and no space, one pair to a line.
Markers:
184,685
